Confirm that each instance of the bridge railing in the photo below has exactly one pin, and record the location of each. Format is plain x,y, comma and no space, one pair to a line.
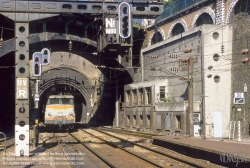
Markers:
176,6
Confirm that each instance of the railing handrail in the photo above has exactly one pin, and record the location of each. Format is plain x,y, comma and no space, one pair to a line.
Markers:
175,7
4,143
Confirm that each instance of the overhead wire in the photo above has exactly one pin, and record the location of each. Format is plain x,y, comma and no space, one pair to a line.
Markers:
85,48
151,62
207,46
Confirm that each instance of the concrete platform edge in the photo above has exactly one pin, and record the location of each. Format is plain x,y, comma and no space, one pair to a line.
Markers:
201,153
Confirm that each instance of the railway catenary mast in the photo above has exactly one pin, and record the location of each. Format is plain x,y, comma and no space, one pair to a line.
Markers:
22,12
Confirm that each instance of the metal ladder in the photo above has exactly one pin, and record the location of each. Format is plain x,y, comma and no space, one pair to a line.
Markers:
232,129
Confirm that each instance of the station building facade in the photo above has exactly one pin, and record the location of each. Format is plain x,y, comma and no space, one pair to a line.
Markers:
216,33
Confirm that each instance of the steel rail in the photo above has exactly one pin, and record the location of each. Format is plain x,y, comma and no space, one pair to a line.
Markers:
2,139
112,144
63,150
92,151
10,144
141,134
161,153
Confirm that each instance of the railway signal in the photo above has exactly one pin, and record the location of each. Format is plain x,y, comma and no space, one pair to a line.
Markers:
37,62
39,59
124,16
45,56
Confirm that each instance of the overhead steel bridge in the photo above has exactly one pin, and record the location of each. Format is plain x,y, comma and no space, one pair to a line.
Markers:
139,8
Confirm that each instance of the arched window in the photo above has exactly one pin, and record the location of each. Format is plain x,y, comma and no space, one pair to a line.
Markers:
156,38
178,29
204,18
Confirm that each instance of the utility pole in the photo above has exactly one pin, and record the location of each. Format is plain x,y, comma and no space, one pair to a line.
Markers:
244,61
189,61
190,96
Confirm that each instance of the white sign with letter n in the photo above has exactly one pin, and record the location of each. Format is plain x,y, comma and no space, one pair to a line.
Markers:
22,88
110,25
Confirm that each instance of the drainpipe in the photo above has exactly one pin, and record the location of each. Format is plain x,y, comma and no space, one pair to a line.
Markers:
153,108
203,126
142,66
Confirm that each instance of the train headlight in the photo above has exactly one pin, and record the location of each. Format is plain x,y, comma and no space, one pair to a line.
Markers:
49,114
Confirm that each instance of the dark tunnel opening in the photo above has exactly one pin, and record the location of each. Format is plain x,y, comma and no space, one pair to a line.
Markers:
79,101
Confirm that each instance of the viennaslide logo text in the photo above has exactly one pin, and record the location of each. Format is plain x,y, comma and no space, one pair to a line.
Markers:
237,157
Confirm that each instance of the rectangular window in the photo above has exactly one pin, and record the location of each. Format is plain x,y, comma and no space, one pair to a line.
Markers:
148,120
128,98
196,118
162,92
140,101
177,122
128,120
134,97
53,101
148,95
134,120
141,120
67,101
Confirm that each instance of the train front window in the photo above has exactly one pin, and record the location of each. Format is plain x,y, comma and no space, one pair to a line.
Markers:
67,101
53,101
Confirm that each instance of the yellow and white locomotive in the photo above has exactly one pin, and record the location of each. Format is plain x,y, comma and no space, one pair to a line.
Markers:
59,111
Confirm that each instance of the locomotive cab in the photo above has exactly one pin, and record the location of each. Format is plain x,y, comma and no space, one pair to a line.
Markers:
59,111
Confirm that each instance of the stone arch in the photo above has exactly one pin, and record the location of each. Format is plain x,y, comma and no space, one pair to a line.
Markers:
182,22
230,10
207,10
71,68
80,83
160,30
9,45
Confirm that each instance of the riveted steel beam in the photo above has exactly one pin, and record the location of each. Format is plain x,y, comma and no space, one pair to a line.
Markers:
139,9
22,17
22,88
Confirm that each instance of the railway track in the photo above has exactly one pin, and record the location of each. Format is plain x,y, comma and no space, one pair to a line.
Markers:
7,138
75,152
147,155
136,133
66,149
157,151
102,147
113,154
10,141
